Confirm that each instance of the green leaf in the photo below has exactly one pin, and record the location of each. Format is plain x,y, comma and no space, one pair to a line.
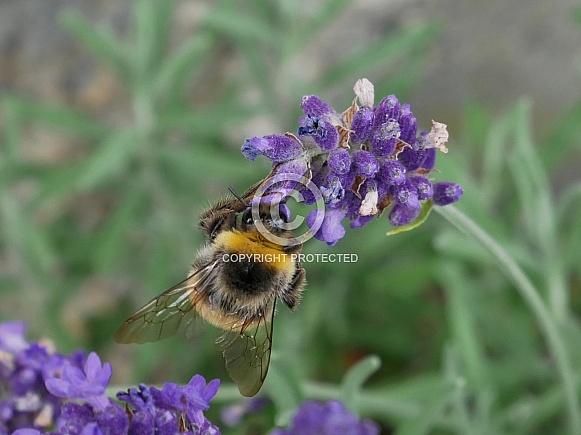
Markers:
531,178
283,388
111,241
152,26
226,20
462,317
562,139
425,211
436,402
494,156
534,191
454,245
569,224
100,43
108,160
355,378
383,52
25,238
60,118
174,72
536,304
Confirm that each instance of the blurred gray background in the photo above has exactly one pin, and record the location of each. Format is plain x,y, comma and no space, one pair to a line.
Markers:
492,52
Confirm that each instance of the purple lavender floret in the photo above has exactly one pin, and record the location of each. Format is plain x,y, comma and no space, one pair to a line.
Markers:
42,389
88,384
166,406
314,106
327,418
331,230
339,161
233,414
366,161
362,125
323,133
401,214
276,148
387,109
423,187
385,138
12,337
447,193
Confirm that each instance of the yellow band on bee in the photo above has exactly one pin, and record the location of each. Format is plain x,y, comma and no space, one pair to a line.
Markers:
251,246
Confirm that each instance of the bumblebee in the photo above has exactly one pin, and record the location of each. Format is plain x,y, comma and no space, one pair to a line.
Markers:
234,284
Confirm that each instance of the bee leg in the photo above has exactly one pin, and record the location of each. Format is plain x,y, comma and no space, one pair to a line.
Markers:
293,295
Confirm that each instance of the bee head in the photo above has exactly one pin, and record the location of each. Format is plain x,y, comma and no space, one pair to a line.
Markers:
215,220
273,221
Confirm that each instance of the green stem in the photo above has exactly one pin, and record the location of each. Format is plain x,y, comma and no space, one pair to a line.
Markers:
531,296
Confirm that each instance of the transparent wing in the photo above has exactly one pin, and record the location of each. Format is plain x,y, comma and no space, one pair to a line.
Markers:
164,315
247,353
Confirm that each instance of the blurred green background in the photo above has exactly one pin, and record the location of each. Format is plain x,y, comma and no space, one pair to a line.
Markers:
121,121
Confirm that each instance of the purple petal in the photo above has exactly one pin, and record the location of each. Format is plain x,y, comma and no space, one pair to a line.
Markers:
392,172
212,388
331,230
74,418
277,148
339,161
314,106
408,124
362,125
112,419
429,159
447,193
423,186
322,132
142,423
332,191
406,193
97,374
170,397
12,337
314,418
26,431
91,429
401,214
384,138
388,108
360,221
167,423
365,163
58,388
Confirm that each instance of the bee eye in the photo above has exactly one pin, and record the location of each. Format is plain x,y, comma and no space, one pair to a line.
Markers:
247,217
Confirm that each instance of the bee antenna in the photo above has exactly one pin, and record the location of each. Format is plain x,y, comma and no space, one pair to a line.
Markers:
238,197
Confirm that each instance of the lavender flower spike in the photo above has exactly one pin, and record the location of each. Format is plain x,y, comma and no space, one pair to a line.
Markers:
329,418
368,161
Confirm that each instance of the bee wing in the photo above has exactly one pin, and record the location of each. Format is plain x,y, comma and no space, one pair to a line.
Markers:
163,316
247,352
